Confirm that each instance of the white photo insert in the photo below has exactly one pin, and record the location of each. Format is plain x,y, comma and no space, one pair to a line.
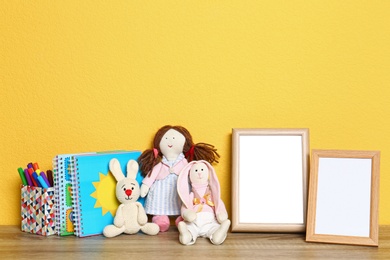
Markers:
343,197
271,179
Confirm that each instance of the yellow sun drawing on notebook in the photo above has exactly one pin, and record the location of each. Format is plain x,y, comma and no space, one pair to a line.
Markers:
105,194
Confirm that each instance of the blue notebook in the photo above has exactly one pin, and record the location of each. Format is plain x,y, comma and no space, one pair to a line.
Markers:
93,190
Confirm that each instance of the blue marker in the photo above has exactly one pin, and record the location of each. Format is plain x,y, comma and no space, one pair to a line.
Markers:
43,175
35,176
42,182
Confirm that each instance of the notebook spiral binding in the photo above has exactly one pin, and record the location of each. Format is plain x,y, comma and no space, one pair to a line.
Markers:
57,162
75,195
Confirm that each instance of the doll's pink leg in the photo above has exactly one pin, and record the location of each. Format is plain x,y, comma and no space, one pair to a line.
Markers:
162,221
178,220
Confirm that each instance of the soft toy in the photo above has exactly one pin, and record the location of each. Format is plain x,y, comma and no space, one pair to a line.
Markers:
203,211
172,149
130,216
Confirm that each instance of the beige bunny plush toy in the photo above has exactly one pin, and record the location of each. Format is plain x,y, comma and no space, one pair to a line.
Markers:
130,216
203,211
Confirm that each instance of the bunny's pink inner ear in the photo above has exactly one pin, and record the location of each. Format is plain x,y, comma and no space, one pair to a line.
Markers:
183,185
214,185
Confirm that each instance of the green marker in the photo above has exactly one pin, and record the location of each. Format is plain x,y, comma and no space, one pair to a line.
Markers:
21,173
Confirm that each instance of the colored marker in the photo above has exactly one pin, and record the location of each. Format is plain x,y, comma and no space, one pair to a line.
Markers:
35,176
50,177
30,165
42,182
28,177
30,171
22,176
35,166
43,175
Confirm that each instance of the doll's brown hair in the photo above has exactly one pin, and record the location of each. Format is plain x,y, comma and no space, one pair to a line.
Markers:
200,151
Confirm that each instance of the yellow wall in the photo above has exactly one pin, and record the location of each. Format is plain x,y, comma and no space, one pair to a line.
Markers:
78,76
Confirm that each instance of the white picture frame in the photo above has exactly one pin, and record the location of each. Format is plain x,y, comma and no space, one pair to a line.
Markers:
269,179
344,197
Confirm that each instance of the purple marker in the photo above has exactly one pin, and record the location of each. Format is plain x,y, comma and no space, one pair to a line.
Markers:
28,178
45,179
30,165
42,182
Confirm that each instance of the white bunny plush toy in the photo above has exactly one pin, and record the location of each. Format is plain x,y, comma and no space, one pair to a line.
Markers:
203,211
130,216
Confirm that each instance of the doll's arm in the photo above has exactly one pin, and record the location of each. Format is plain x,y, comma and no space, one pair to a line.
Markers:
119,221
144,190
142,218
149,180
222,213
188,215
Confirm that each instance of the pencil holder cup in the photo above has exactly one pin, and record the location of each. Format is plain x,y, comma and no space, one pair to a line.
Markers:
37,210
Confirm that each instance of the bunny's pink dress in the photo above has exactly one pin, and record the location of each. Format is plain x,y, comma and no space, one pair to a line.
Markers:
205,223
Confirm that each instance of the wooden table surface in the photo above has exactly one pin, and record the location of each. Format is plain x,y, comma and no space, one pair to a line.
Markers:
15,244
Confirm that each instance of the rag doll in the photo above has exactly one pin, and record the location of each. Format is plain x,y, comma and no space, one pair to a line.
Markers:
130,216
173,148
203,211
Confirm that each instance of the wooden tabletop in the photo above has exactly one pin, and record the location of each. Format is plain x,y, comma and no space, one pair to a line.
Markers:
15,244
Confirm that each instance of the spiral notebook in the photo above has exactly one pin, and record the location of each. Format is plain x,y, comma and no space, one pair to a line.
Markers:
63,211
93,190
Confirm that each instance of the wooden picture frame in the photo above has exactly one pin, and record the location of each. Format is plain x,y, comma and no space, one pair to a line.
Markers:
269,179
343,197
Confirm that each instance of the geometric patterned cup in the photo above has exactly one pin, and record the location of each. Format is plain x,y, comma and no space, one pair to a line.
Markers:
37,210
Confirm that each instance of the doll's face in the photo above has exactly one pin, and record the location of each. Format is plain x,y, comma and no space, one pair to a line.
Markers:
199,173
171,144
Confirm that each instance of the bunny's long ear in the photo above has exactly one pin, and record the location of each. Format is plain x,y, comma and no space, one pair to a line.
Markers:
132,169
214,186
183,185
115,168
